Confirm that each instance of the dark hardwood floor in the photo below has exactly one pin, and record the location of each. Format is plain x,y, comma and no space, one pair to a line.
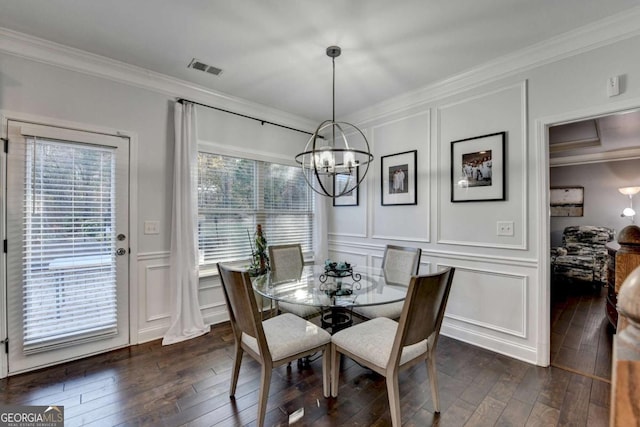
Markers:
581,337
188,383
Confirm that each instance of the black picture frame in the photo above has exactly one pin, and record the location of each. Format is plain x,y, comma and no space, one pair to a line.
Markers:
478,168
399,179
349,199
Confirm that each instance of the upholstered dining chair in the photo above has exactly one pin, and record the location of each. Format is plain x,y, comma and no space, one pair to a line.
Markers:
388,347
395,259
273,342
287,263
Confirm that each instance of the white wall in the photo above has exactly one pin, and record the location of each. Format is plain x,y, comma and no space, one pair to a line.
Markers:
51,91
499,299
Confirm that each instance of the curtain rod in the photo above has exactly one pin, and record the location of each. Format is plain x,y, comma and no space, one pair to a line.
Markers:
183,100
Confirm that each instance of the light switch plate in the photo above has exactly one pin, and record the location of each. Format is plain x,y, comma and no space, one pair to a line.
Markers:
504,228
152,227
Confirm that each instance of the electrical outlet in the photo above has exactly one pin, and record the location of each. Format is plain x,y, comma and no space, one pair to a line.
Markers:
505,228
152,227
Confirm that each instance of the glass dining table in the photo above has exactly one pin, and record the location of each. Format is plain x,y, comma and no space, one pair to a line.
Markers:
334,293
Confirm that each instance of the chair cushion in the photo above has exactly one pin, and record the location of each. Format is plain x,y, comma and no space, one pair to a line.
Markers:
372,341
392,311
301,310
288,335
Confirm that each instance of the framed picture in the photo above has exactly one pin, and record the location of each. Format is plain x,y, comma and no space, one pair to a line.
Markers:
399,178
478,168
343,181
567,201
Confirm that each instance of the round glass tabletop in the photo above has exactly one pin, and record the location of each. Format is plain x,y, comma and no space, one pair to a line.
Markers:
313,286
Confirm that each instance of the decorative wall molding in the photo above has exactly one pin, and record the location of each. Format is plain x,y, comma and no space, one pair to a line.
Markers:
400,238
604,32
521,279
424,187
359,235
147,272
447,255
524,189
47,52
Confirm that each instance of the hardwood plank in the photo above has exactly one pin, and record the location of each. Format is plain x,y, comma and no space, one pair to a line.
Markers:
487,412
543,415
516,413
575,406
188,384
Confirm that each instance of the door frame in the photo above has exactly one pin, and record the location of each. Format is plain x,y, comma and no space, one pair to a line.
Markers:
5,116
543,222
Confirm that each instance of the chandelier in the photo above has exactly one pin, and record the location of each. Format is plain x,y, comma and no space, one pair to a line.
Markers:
337,156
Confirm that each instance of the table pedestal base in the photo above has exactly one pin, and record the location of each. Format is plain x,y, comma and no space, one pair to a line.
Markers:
336,318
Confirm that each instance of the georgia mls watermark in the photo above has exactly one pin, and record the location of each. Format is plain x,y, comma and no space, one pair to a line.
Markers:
31,416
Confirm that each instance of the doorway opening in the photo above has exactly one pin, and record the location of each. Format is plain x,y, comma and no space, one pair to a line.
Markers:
595,155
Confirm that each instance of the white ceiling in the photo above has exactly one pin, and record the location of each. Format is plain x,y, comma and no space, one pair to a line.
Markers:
273,51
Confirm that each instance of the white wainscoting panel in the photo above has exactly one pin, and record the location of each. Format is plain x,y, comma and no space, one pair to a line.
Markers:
489,300
153,290
212,303
155,296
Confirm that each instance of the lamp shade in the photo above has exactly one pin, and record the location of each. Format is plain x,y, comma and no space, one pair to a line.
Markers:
629,191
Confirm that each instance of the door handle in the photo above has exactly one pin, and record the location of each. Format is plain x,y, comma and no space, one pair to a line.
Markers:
121,251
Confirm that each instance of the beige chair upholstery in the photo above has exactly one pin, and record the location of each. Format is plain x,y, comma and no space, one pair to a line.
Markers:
396,258
287,264
272,342
387,347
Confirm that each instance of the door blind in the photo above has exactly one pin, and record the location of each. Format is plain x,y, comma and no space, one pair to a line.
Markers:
69,289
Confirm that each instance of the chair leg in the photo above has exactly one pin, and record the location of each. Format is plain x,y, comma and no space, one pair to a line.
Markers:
433,379
394,398
265,382
326,370
335,370
236,369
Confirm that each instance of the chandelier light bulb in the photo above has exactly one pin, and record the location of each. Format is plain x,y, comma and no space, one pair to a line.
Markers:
349,159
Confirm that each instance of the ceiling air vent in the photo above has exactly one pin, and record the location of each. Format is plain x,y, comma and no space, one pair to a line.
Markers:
201,66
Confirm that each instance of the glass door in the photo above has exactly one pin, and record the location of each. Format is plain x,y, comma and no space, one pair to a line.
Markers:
67,244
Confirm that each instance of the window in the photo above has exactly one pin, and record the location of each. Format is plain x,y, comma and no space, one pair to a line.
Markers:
234,195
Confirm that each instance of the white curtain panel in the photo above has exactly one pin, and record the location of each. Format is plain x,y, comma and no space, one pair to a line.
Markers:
186,318
320,229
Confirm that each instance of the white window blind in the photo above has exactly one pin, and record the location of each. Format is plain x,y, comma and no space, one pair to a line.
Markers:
69,289
234,195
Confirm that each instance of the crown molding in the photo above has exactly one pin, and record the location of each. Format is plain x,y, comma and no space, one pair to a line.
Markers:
604,32
615,28
585,159
50,53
